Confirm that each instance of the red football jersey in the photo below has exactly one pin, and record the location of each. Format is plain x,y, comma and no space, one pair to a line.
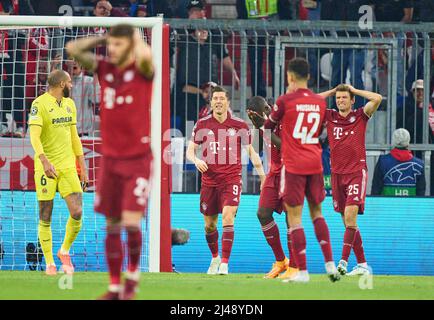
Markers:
125,111
347,140
275,154
301,115
221,148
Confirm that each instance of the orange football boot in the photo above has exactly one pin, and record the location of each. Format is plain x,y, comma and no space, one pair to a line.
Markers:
51,270
278,267
67,266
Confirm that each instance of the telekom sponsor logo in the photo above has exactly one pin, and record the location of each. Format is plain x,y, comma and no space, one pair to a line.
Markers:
214,147
338,133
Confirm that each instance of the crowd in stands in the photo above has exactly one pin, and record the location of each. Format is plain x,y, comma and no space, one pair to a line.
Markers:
199,58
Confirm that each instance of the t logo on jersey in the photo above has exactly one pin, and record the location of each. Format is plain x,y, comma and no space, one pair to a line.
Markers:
214,146
338,132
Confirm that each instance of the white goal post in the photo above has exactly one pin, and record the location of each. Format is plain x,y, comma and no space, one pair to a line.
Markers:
156,25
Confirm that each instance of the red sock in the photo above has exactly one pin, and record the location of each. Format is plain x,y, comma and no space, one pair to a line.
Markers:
271,233
349,236
134,248
358,248
292,263
227,241
298,240
213,242
323,237
114,254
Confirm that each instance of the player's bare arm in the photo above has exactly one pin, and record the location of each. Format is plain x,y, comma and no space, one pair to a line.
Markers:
35,140
258,122
328,93
276,141
143,54
78,150
191,156
257,163
81,51
374,100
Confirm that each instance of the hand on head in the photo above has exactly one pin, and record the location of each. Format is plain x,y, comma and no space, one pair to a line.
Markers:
257,119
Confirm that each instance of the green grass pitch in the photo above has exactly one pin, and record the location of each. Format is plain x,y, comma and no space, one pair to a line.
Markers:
193,286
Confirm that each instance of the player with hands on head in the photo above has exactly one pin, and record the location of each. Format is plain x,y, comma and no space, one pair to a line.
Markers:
125,76
346,131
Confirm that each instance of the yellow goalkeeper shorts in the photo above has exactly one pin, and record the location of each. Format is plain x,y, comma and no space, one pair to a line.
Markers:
67,182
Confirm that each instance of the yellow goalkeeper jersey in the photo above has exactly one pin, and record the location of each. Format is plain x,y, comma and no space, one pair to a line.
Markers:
55,120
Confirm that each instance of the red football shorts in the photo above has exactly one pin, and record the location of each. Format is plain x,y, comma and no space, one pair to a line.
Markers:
349,189
294,187
213,199
270,197
123,185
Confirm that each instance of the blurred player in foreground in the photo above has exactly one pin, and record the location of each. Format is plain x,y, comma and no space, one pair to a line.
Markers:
124,182
346,130
54,138
301,114
221,136
270,200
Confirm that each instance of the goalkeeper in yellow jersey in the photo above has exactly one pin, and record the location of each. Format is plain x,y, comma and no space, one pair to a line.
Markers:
54,137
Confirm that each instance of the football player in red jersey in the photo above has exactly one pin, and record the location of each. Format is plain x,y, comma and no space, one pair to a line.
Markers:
221,136
346,130
270,200
125,77
301,114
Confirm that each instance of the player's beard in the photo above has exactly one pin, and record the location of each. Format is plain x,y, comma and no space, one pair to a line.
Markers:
66,92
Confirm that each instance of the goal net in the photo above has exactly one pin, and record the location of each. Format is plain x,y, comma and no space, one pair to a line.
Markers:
31,47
